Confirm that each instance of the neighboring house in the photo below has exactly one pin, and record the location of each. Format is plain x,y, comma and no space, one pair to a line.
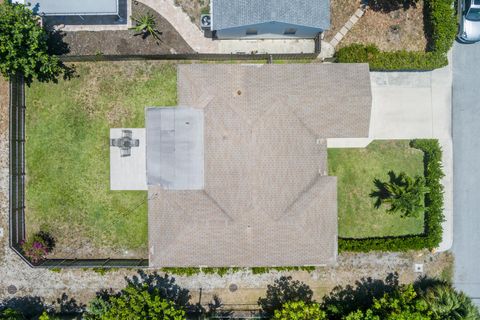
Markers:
262,19
238,175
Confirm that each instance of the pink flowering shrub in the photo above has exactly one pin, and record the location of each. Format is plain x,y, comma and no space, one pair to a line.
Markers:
37,247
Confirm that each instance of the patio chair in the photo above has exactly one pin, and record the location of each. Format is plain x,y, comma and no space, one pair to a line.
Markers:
127,134
125,152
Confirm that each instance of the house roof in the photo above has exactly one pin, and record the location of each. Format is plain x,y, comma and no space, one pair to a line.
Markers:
175,148
230,14
267,199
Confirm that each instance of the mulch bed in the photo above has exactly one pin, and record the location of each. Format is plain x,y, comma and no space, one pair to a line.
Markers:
124,42
390,29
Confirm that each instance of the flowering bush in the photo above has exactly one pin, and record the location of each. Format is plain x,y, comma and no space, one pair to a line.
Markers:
38,246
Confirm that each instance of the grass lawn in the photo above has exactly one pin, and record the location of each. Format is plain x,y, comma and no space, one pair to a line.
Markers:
356,169
67,156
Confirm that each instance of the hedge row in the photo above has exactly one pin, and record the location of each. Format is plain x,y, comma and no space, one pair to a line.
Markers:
440,24
221,271
440,27
432,235
390,61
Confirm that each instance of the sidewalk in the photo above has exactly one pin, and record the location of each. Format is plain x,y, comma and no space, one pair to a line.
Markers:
409,105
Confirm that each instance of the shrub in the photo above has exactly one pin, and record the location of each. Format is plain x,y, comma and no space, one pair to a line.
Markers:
136,302
10,314
446,303
146,25
38,246
390,61
300,311
282,291
402,194
432,235
221,271
440,24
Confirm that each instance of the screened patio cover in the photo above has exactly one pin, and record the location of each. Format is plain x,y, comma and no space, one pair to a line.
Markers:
74,7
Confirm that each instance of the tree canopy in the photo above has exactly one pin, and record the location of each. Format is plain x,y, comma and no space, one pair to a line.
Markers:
137,303
24,46
299,310
402,193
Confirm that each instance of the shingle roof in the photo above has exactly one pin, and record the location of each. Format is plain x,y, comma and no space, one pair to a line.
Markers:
267,198
235,13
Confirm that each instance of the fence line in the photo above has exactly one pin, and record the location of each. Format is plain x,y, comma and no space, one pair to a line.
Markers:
192,56
17,191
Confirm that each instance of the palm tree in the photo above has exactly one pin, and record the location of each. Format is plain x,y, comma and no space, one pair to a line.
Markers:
146,25
402,193
448,304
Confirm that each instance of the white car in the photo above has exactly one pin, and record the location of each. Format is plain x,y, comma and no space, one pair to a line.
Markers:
469,29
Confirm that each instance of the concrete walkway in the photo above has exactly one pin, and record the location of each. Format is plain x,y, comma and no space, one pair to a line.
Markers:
409,105
184,26
347,26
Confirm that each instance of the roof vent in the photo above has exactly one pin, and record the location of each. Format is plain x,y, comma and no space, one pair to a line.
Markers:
205,21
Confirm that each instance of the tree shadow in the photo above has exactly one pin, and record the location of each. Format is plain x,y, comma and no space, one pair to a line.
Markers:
284,290
33,306
387,6
165,285
344,300
423,283
29,306
55,43
215,310
69,305
381,193
58,47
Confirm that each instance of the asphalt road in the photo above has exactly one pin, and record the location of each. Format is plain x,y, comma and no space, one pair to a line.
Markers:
466,147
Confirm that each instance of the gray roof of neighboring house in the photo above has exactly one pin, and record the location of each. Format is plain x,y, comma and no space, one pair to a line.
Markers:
235,13
267,199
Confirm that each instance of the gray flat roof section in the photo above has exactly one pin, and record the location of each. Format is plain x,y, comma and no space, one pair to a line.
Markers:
75,7
175,148
267,199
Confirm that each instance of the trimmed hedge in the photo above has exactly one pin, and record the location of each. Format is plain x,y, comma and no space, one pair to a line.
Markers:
440,24
441,29
390,61
190,271
432,235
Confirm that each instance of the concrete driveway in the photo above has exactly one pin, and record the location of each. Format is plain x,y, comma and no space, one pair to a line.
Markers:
409,105
466,137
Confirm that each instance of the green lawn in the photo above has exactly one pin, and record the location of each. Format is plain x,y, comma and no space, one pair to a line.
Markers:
67,155
356,169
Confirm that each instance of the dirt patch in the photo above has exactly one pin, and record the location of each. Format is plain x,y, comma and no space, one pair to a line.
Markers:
194,8
4,101
394,30
350,269
125,42
340,12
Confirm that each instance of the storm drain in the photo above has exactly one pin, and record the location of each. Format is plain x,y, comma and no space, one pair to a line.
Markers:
12,289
